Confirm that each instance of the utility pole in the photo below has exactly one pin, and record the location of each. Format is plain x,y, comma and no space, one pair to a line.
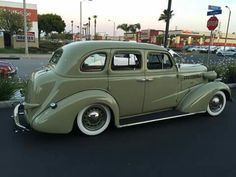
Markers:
25,28
167,23
227,30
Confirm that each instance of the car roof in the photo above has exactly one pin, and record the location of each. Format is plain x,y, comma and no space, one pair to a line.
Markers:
73,52
112,44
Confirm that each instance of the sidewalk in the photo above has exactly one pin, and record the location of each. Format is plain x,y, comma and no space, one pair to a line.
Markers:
24,56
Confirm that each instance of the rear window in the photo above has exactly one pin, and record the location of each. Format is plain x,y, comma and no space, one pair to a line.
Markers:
56,56
94,63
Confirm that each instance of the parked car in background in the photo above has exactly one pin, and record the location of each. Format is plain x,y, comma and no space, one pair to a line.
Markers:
88,84
193,48
7,69
176,56
227,52
204,49
186,47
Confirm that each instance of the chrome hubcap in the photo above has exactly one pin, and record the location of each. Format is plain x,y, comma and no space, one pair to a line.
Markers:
93,114
94,118
216,103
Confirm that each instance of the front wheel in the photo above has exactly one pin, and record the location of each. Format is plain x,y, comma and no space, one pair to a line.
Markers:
216,104
93,119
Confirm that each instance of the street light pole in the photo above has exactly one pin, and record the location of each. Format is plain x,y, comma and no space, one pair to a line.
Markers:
72,31
25,28
227,30
80,23
114,28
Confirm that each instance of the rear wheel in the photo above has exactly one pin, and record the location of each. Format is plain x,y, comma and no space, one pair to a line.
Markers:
93,119
216,104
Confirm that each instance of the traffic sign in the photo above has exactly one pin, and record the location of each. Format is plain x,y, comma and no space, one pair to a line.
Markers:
212,23
214,12
211,7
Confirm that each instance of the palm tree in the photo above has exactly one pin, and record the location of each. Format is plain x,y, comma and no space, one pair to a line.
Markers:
95,25
129,28
138,26
133,28
89,19
125,27
164,15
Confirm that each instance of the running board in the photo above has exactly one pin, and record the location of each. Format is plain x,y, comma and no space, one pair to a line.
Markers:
153,117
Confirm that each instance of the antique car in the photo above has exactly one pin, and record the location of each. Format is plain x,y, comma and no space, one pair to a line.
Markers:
90,84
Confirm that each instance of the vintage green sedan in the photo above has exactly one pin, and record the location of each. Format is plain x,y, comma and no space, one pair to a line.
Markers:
93,83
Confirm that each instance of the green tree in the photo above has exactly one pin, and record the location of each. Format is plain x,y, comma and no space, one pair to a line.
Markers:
50,22
125,27
12,22
164,15
134,27
129,28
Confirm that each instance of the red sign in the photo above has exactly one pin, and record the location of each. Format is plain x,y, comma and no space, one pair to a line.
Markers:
31,13
212,23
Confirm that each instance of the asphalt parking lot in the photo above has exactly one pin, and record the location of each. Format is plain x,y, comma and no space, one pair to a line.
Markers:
196,146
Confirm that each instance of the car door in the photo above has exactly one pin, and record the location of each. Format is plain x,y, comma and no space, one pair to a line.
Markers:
162,83
127,80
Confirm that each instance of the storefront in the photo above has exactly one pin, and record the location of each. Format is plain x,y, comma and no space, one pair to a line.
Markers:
17,40
180,38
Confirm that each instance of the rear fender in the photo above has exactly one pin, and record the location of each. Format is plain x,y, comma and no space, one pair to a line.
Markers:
197,99
61,119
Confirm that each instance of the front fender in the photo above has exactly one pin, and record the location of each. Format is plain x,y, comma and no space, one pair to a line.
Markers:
197,99
61,119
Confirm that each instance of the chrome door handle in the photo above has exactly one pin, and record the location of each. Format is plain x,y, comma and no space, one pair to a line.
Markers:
149,79
141,80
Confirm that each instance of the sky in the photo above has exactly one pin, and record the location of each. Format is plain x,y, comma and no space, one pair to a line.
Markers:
188,14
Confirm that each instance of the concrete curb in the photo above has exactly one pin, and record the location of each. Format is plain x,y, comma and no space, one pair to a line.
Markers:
24,56
9,58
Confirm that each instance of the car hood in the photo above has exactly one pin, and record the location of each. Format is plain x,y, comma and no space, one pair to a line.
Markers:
192,68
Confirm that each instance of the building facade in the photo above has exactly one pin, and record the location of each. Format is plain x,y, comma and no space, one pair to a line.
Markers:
180,38
18,39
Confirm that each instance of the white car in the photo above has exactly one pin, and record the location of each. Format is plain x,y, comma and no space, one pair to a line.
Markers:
194,48
175,55
226,52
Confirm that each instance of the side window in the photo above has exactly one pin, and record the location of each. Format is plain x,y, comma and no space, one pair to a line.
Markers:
56,56
94,63
126,61
158,61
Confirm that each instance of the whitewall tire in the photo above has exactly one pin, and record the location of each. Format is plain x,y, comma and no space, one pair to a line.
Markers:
217,104
93,119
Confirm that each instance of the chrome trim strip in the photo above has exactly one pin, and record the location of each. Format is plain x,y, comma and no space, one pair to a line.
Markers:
16,118
156,120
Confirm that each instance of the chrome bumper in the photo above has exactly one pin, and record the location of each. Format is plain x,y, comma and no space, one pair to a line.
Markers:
19,119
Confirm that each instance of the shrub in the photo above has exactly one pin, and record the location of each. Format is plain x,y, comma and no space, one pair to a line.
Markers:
230,74
7,88
226,72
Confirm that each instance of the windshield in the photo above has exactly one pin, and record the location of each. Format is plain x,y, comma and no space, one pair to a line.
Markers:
56,56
